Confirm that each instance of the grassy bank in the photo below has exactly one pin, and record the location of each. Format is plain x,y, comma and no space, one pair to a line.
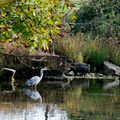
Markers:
86,49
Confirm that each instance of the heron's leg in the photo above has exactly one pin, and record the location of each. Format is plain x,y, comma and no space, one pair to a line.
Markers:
35,87
32,87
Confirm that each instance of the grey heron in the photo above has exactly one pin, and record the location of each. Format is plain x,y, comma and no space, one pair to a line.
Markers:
36,79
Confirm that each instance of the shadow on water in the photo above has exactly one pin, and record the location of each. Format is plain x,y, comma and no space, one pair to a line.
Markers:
79,100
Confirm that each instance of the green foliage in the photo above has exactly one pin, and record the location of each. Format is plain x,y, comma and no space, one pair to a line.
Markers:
31,22
96,57
99,17
95,52
5,2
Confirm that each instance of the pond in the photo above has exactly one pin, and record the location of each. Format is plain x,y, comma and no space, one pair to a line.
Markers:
80,100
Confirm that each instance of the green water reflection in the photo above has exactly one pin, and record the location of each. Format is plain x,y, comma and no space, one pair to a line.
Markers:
78,101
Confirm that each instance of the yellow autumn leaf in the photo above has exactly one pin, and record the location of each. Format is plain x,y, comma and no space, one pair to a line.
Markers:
7,40
73,17
2,26
50,40
42,29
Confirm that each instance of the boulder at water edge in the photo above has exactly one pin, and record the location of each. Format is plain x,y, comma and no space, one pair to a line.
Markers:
80,68
111,69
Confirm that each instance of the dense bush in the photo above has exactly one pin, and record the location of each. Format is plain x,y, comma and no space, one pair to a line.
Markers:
99,17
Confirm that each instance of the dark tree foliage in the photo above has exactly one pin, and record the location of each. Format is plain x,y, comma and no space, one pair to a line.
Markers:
99,18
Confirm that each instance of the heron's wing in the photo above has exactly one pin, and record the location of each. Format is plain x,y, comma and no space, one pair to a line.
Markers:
32,81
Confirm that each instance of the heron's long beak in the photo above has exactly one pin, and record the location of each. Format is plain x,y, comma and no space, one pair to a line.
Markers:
46,68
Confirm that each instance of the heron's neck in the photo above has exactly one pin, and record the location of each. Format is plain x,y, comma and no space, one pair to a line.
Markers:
13,75
41,73
12,78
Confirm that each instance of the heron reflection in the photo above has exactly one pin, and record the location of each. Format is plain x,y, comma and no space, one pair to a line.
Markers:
33,94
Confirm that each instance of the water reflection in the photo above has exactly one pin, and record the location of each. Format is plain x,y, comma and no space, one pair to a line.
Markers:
112,84
31,111
34,94
26,105
80,101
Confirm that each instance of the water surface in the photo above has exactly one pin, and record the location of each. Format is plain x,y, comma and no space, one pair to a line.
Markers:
81,100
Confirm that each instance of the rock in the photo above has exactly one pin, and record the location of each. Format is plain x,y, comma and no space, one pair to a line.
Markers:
111,69
80,68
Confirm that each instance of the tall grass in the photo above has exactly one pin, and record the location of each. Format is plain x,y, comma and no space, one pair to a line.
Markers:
116,56
96,53
92,51
114,50
71,47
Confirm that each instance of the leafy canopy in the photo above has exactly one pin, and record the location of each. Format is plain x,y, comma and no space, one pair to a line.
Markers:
31,22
